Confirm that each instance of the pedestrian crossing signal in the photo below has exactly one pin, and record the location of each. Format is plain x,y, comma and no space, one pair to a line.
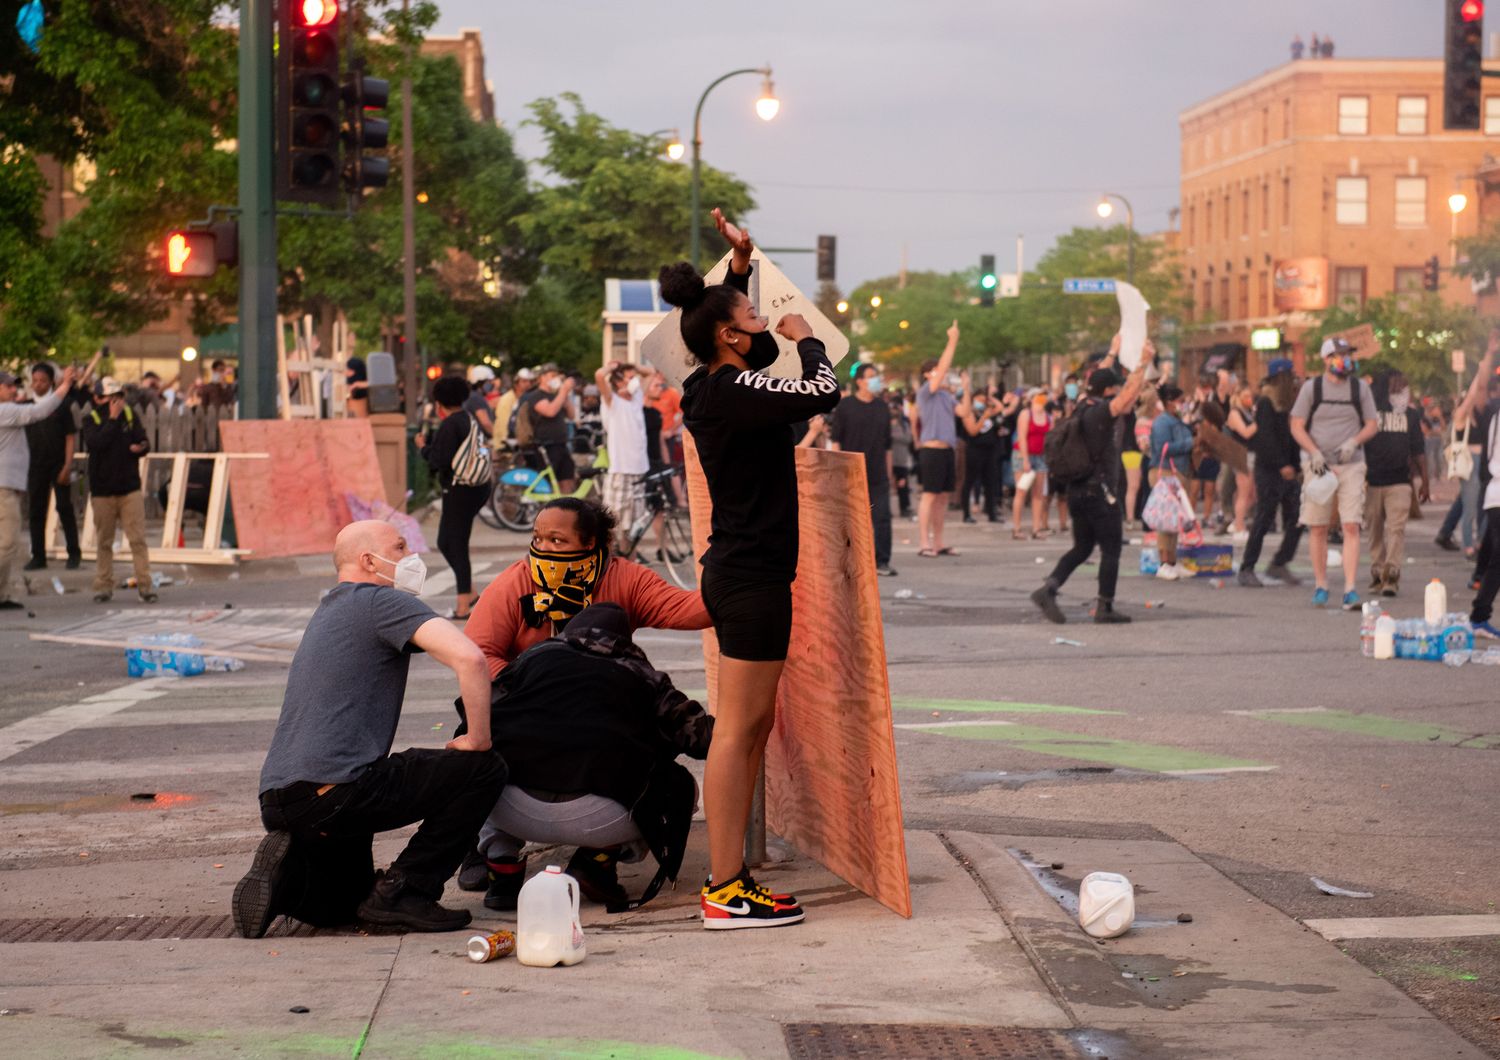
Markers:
191,254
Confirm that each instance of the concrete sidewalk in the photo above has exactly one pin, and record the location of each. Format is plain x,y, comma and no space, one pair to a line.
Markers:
988,948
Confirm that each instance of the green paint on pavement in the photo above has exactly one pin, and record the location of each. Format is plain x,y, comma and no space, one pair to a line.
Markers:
1439,971
1381,728
982,706
1153,758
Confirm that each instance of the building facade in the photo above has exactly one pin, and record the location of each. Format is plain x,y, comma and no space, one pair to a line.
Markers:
1321,182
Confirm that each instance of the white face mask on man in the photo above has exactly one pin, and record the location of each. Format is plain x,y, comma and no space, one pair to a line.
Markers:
1400,401
411,573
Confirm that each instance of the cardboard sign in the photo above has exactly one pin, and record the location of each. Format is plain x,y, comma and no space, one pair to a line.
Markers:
774,296
1133,308
1362,340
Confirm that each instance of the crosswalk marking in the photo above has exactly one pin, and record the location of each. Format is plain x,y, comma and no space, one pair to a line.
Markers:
28,732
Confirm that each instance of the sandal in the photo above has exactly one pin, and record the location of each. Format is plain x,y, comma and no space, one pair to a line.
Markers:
946,551
1040,535
926,553
1018,535
454,616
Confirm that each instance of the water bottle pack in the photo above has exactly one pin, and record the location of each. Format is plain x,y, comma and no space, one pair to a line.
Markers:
1438,637
166,658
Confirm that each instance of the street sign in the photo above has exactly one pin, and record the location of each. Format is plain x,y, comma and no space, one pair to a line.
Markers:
1458,362
1010,285
773,295
1088,286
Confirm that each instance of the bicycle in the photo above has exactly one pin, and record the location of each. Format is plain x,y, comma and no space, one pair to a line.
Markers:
521,490
675,539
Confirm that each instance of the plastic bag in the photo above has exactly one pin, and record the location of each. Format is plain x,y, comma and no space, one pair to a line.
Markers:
1168,509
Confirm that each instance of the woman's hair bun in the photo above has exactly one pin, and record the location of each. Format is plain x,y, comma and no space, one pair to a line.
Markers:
680,284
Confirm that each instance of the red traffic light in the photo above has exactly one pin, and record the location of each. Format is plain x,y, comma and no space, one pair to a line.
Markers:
434,371
1471,10
316,12
191,254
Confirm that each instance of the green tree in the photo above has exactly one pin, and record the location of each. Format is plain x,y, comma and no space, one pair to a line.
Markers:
1417,334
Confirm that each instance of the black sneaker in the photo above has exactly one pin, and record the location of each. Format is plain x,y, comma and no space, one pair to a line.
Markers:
886,572
392,903
1106,615
1446,543
743,903
505,877
104,597
473,874
598,879
74,562
260,897
35,564
147,596
1046,599
1250,580
1283,574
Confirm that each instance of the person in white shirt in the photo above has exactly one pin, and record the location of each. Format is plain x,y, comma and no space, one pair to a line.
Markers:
623,405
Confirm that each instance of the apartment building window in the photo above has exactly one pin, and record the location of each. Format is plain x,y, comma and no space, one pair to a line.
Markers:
1226,215
1354,115
1207,308
1286,119
1192,223
1224,297
1411,202
1349,287
1245,297
1265,293
1351,200
1245,213
1265,125
1208,219
1265,205
1411,115
1286,201
1408,285
1492,115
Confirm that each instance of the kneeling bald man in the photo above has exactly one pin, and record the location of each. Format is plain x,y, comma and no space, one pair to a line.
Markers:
330,782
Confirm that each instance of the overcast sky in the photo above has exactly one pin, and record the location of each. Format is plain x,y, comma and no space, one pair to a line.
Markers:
989,118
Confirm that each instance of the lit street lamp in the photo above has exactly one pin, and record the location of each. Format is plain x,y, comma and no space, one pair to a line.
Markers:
1458,202
767,107
675,148
1106,209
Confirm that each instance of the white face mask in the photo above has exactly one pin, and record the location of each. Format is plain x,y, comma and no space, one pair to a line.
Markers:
411,572
634,386
1399,402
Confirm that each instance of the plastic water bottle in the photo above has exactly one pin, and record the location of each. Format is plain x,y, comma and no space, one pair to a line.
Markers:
159,660
1106,904
1435,602
1455,659
548,931
1369,615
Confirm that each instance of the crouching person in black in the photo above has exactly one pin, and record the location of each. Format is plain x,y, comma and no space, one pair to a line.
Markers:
330,782
591,733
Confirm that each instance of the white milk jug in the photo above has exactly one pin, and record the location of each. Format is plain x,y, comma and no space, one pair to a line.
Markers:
548,931
1106,904
1435,608
1385,637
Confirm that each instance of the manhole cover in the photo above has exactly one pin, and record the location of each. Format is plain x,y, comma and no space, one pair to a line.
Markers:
914,1041
139,929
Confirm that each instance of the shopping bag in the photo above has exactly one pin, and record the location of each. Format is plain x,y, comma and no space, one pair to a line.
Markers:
1167,509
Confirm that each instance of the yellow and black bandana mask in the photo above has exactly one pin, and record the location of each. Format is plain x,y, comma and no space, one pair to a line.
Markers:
564,582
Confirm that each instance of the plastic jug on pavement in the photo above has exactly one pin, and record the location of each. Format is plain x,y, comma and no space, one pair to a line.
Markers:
1435,605
1106,904
548,931
1385,637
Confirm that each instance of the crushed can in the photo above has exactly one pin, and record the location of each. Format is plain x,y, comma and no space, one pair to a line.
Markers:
485,948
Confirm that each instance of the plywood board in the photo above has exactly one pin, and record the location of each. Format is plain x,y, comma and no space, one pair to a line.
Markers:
293,504
832,787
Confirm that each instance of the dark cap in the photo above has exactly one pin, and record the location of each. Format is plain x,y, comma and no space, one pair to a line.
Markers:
1168,392
1104,378
1279,366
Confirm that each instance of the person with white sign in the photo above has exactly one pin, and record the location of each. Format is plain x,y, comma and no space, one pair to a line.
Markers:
741,421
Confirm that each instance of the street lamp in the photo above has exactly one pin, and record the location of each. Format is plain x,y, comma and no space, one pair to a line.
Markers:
842,307
767,106
1105,209
675,148
1458,202
874,301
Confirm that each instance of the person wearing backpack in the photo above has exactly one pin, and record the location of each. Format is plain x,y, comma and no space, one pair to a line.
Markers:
1332,418
460,460
1085,460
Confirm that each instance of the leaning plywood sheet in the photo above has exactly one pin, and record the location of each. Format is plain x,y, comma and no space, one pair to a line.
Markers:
831,783
256,634
293,504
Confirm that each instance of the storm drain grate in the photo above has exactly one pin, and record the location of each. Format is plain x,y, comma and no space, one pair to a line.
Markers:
915,1041
138,929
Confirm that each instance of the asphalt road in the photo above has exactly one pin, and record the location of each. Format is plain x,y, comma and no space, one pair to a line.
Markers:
1243,724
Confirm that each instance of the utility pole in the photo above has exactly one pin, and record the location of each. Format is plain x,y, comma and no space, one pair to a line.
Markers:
409,242
257,250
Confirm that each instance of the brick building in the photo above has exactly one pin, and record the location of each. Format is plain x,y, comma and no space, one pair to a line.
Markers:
1321,182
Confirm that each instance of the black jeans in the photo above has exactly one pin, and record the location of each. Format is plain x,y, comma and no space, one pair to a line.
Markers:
982,472
880,520
1097,520
460,505
903,488
450,792
42,484
1489,584
1275,493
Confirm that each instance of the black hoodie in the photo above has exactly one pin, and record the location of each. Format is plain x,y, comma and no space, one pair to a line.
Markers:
741,422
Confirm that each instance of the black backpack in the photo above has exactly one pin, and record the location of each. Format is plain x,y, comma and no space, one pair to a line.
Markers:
1317,399
1067,452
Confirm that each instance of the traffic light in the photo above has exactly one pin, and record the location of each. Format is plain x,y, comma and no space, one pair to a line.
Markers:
1463,64
1431,269
988,281
307,102
827,258
199,251
365,131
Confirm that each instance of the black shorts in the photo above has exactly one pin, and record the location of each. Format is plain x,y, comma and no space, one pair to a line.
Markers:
1208,470
561,459
753,620
936,470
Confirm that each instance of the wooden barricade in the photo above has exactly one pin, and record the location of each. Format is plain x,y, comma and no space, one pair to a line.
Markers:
832,787
293,504
304,376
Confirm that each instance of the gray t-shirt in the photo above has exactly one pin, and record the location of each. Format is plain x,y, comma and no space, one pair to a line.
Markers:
935,412
345,688
1336,420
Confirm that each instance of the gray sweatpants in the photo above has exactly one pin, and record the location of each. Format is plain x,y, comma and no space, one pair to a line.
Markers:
582,821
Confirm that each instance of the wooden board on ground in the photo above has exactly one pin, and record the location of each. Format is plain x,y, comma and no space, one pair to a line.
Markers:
255,634
293,504
1362,340
832,787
